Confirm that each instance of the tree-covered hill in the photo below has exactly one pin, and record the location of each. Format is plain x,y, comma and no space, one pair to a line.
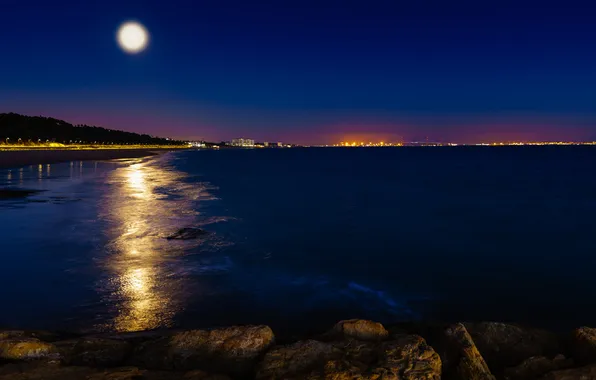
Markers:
15,128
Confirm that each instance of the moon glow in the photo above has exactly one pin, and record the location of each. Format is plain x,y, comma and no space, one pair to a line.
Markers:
133,37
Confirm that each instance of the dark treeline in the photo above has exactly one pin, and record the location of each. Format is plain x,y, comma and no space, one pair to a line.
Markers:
15,128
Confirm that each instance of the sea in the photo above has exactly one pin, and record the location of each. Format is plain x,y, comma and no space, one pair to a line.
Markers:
301,238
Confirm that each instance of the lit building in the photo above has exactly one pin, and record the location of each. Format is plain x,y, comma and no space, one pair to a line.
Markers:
243,142
280,145
265,144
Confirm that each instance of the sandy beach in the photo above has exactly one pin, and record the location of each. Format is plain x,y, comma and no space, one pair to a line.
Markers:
15,159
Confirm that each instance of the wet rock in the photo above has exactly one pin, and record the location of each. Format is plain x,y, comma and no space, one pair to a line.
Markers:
360,329
38,334
464,359
297,359
202,375
232,350
536,366
503,345
26,349
582,373
16,193
94,352
187,233
43,371
408,357
583,345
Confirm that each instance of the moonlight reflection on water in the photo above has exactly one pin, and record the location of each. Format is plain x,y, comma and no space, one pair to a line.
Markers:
137,215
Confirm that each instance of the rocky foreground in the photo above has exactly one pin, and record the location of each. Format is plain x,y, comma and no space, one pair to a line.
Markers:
353,349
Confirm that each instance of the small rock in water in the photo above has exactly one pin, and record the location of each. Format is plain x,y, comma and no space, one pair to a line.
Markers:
17,193
187,233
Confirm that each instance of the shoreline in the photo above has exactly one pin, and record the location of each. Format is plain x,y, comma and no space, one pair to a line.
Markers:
351,349
12,159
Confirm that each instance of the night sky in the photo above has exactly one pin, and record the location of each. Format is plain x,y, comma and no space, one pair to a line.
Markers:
308,71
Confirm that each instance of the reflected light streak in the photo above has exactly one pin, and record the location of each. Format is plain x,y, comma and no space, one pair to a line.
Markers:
147,296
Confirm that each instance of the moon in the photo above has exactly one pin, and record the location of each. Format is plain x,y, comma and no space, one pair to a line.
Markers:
133,37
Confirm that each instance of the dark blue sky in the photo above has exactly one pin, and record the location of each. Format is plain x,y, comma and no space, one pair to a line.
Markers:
308,71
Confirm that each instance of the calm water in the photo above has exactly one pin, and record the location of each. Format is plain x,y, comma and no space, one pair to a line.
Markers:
300,238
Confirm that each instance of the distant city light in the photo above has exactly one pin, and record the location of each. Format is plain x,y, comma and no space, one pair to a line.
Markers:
429,144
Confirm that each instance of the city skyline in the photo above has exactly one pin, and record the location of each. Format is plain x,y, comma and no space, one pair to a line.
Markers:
308,72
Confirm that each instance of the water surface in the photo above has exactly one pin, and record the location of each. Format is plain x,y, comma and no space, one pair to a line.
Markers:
299,238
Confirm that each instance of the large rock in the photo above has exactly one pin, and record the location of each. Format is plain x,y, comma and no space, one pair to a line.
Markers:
201,375
503,345
408,357
464,358
300,358
536,366
582,373
232,350
38,334
94,352
26,349
583,345
360,329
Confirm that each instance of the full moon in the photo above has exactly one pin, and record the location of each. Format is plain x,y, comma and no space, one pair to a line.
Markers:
132,37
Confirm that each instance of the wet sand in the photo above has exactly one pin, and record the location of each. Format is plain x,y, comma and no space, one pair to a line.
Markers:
15,159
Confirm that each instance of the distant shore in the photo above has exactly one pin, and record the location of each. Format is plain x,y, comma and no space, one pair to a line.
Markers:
19,158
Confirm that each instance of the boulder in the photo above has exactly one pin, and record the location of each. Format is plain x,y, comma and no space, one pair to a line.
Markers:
408,357
94,352
202,375
583,345
300,358
38,334
503,345
536,366
582,373
187,233
44,371
26,349
360,329
464,358
232,350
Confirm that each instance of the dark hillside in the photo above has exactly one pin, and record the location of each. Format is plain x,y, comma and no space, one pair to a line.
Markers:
15,128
